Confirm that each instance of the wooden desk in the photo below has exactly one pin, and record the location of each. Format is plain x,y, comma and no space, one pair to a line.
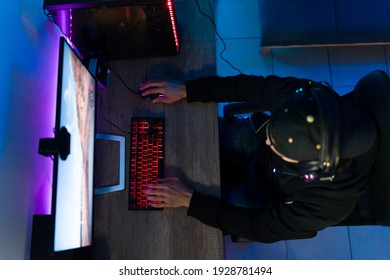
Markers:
191,151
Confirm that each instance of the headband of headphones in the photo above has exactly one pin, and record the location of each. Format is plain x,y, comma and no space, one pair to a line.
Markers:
329,117
320,125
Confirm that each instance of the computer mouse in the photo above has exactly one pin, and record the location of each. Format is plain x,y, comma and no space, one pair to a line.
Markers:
150,96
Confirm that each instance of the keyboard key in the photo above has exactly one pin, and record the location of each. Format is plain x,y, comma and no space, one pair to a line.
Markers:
146,159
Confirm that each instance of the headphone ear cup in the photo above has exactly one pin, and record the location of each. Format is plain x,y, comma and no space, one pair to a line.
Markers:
309,170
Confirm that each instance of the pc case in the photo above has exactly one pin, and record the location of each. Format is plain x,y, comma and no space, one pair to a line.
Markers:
117,29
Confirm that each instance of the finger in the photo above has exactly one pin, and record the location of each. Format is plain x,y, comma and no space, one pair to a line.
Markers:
155,198
163,192
165,184
158,204
151,83
155,187
152,90
164,187
159,201
161,99
168,180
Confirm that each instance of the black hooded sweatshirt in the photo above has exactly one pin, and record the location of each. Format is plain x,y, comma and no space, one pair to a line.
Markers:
303,208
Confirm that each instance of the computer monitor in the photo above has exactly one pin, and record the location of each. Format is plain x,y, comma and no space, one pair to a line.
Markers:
72,205
73,152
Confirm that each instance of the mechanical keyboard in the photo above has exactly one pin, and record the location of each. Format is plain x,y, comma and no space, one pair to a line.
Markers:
146,159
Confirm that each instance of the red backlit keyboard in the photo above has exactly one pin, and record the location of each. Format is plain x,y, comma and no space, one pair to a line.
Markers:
146,158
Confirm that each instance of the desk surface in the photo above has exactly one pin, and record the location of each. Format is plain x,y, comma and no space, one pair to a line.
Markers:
191,147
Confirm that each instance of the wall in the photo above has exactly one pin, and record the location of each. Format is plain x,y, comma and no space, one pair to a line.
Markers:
28,72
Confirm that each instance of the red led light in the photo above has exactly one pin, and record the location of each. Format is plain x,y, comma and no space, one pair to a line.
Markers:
146,159
171,9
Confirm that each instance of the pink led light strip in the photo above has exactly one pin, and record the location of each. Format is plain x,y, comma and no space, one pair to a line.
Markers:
171,8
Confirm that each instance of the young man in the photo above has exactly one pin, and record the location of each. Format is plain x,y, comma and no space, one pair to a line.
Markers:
305,166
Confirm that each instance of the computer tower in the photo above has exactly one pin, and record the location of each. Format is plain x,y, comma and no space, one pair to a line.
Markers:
117,29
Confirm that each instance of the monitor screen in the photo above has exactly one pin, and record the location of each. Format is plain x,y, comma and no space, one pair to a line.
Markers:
73,177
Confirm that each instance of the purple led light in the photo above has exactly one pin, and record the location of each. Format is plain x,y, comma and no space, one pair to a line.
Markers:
64,21
309,177
45,103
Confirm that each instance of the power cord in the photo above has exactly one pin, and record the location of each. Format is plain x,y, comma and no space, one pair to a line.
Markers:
113,70
107,120
50,17
220,54
219,36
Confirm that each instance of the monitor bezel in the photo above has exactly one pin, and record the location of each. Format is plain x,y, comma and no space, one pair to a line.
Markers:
62,45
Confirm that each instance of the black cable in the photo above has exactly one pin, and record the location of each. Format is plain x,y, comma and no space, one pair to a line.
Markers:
50,17
107,120
219,36
220,54
113,70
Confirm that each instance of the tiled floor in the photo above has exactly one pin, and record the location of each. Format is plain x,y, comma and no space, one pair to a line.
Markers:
239,25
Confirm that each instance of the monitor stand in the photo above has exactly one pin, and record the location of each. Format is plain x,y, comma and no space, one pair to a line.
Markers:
102,163
59,145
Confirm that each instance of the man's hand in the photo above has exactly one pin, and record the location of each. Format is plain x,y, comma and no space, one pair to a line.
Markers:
170,91
169,192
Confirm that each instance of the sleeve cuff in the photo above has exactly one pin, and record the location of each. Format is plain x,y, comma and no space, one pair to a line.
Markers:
204,208
191,88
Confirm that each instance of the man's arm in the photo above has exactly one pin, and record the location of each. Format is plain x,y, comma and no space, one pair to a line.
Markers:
268,92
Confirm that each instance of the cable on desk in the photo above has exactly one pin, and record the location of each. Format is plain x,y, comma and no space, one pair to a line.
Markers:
219,36
113,70
106,119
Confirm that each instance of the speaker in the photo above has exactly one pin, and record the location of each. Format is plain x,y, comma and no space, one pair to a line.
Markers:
41,238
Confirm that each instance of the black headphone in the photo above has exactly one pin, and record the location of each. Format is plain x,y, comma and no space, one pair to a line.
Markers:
323,169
